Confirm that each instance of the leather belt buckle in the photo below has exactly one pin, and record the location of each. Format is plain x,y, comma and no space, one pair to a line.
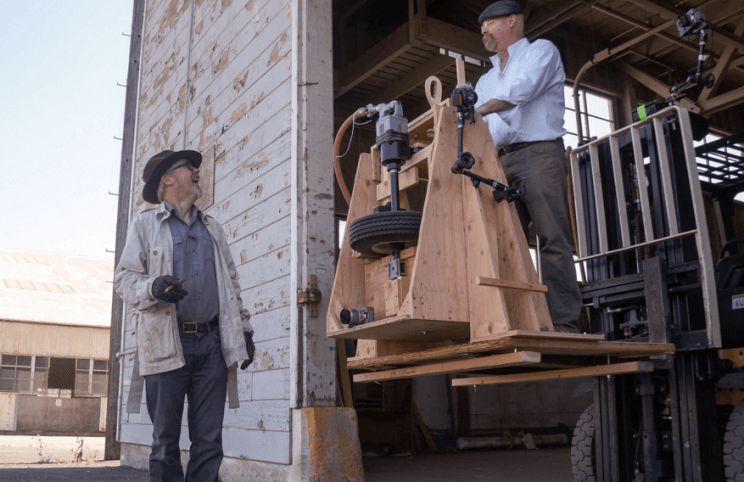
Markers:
187,331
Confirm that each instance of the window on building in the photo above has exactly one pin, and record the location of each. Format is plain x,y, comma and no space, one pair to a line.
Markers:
91,379
15,373
100,377
596,116
41,373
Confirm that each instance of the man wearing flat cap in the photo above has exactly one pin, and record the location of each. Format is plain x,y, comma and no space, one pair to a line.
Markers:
521,100
177,273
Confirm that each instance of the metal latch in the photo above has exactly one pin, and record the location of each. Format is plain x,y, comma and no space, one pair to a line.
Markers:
310,296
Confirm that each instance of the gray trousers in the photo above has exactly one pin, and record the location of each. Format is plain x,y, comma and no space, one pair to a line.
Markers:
203,380
542,169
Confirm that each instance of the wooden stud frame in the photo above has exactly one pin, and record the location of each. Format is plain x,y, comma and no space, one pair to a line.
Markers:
470,275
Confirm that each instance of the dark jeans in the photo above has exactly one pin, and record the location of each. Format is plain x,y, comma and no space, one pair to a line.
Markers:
542,168
204,381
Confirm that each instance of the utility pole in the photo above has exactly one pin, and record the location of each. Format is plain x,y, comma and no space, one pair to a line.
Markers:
112,448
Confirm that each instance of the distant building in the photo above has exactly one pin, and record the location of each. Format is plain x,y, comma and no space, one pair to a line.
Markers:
55,317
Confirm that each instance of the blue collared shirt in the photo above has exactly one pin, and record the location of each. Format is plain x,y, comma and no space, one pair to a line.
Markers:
532,80
193,259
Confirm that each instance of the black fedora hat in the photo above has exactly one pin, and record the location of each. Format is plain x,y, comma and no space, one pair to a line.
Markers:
158,165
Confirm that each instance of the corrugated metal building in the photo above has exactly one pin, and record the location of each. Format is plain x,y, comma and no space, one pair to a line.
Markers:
55,313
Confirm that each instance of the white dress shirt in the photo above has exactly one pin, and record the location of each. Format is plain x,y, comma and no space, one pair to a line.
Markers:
533,81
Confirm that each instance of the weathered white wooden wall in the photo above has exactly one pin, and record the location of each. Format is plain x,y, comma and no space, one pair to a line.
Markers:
216,77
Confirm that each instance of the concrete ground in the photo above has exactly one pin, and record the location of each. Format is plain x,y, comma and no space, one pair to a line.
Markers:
20,455
553,464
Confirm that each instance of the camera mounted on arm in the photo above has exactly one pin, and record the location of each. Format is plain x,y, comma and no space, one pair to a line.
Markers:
692,23
464,98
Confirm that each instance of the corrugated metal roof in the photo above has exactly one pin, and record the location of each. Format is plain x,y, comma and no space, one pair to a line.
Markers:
55,288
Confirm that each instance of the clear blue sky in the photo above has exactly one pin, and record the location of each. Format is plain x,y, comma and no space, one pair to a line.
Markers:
60,62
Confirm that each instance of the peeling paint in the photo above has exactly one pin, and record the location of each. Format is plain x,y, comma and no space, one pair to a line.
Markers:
199,28
238,113
257,192
239,83
225,4
257,101
249,5
169,19
257,164
220,66
274,57
243,256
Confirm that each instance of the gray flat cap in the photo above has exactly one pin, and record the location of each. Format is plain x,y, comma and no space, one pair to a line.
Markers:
503,8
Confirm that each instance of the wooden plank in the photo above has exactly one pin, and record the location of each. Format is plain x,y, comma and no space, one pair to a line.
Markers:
368,63
343,374
596,371
422,425
521,358
414,78
437,288
406,179
405,328
655,84
445,35
348,286
511,284
550,343
723,101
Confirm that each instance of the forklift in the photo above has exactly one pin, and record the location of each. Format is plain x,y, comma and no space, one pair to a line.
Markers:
648,204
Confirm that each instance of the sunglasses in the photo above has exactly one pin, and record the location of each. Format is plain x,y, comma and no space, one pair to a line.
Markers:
186,164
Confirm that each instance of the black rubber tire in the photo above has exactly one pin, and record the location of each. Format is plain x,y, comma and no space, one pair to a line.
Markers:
378,234
733,446
583,452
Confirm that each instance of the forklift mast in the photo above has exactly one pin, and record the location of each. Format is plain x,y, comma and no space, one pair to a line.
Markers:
643,241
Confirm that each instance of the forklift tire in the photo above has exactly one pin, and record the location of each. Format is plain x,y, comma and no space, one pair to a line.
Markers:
582,448
733,446
377,235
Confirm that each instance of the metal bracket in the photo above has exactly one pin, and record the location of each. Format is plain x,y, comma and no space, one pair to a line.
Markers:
310,296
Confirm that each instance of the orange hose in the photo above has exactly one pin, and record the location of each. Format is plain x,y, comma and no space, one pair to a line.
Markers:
337,148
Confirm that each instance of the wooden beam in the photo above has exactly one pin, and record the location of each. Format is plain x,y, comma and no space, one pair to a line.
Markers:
368,63
414,78
723,101
447,36
343,374
506,360
422,425
510,284
723,64
718,34
546,17
558,17
596,371
544,342
655,84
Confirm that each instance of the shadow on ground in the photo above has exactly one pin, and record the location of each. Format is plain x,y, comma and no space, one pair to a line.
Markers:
60,474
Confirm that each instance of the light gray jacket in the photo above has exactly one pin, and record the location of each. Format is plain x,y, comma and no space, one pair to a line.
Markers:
148,254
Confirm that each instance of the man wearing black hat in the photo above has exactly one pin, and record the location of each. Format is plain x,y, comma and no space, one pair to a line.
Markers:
177,273
521,99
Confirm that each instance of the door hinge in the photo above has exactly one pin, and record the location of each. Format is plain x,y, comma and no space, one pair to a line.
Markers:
310,296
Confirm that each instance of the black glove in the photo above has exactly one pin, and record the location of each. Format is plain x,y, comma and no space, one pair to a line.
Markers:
161,284
250,347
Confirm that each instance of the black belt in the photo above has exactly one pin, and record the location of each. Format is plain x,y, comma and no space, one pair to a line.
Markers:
189,327
517,146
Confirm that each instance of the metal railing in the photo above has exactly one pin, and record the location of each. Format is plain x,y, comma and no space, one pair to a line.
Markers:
681,116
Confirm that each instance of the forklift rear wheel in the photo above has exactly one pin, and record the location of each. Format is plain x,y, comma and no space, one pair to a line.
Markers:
582,448
733,446
379,234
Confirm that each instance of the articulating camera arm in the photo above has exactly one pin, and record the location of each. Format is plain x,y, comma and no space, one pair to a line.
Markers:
690,23
464,99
